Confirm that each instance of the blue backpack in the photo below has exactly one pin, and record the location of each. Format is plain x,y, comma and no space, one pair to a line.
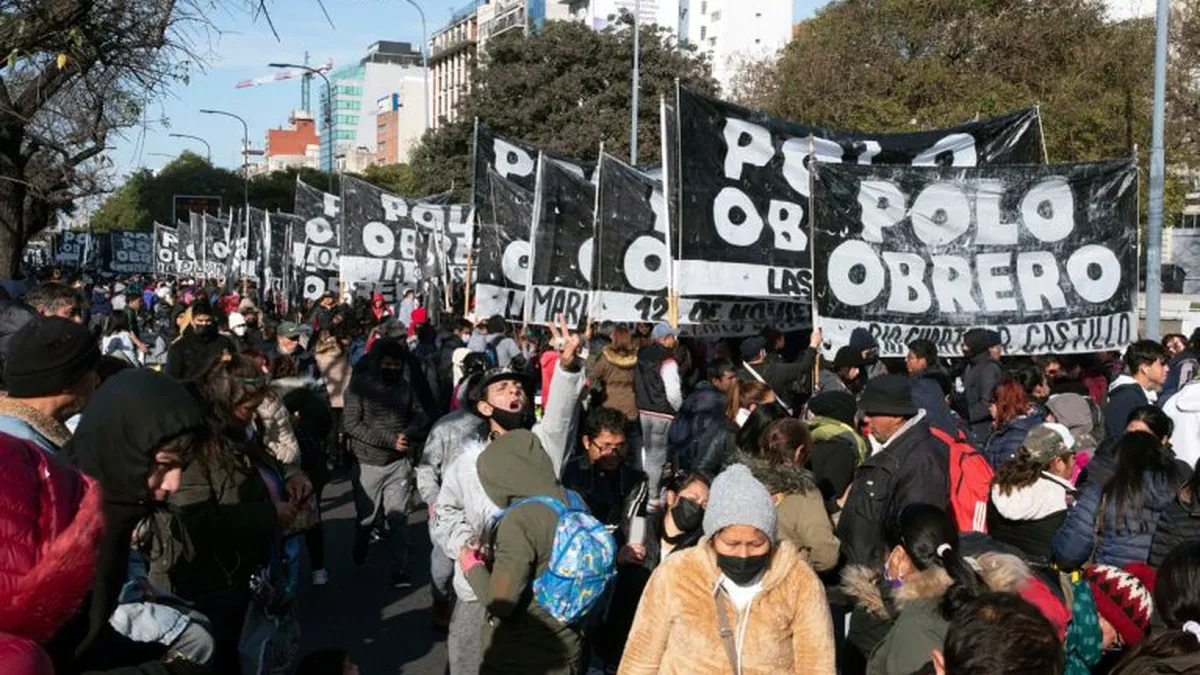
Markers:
582,560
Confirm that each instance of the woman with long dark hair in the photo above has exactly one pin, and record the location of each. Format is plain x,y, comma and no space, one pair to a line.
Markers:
931,581
1113,522
225,515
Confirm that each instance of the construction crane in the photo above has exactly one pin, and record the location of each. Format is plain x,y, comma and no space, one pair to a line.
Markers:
282,75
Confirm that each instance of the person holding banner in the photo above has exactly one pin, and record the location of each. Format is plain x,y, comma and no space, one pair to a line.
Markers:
659,396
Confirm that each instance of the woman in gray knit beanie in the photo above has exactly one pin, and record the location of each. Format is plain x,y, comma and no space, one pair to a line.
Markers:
741,602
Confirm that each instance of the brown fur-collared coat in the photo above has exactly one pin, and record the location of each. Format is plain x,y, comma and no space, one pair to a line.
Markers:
788,628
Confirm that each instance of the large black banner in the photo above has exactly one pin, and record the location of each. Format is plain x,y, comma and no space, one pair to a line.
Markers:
561,268
1044,254
166,250
127,252
216,253
502,249
315,246
744,187
631,262
278,273
380,235
75,248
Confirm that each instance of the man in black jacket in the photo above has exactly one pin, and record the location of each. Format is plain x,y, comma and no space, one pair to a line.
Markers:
909,466
199,345
983,350
384,422
791,381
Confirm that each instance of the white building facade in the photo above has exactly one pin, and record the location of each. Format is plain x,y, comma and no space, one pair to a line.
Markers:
734,31
390,71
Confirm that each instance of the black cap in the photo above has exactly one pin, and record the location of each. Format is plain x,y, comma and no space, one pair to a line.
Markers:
848,357
888,395
751,346
979,340
48,356
491,377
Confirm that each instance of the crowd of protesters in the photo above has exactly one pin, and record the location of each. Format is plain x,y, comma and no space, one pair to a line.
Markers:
601,499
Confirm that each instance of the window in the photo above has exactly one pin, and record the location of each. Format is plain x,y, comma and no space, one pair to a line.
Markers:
703,7
348,90
757,41
716,16
758,15
712,42
345,135
347,104
345,119
703,32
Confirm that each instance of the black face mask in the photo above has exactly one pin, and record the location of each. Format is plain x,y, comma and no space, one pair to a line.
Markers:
391,374
509,420
742,571
207,332
687,514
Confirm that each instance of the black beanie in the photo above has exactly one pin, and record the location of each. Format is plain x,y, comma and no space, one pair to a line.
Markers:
837,405
48,356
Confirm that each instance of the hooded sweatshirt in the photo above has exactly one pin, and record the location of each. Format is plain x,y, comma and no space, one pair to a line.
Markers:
520,636
1184,409
1124,394
130,416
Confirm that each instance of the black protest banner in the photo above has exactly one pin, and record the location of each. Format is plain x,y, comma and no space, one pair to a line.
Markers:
380,235
443,237
277,249
744,187
560,272
631,262
1044,254
166,250
128,252
216,252
512,160
502,250
315,246
72,247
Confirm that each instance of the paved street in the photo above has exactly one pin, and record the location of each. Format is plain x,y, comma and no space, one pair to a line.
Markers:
386,630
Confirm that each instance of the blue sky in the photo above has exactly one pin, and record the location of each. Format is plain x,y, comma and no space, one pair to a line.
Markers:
242,50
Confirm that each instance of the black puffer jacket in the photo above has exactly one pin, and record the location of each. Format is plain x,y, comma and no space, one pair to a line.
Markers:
376,413
1180,523
982,376
13,316
912,468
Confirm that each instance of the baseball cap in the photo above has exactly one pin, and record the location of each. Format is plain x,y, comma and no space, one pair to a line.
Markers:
291,329
662,330
1047,441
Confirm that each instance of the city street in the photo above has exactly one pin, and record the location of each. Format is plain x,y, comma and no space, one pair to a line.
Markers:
387,630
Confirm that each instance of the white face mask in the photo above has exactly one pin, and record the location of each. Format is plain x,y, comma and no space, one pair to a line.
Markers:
239,331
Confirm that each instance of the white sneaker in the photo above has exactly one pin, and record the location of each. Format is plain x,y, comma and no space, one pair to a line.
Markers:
320,577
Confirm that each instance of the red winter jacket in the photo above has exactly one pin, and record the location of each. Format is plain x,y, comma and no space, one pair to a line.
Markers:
51,523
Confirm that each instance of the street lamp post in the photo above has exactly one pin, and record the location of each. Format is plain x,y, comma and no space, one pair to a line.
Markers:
207,147
1154,220
245,153
424,58
328,111
633,114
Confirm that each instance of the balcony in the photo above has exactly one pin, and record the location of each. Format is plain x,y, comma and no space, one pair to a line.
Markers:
510,19
447,50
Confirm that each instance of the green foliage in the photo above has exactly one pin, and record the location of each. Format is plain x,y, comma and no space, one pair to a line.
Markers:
566,89
395,178
146,197
898,65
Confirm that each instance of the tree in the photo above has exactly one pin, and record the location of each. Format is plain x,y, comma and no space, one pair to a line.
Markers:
77,71
897,65
565,88
395,178
147,197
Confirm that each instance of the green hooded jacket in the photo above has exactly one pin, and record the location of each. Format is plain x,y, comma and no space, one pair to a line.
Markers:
520,636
